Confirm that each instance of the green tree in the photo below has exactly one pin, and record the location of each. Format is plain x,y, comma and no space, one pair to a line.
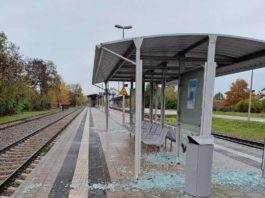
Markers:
12,77
31,84
171,98
44,77
76,95
54,91
41,73
219,96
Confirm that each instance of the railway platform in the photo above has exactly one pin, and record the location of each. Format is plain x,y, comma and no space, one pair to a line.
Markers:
87,161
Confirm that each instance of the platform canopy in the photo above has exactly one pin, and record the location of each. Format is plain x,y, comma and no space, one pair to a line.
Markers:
233,54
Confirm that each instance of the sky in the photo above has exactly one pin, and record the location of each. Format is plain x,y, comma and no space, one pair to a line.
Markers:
66,31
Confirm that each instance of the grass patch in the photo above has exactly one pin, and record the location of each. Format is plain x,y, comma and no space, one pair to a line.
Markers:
171,119
23,115
241,114
47,149
237,128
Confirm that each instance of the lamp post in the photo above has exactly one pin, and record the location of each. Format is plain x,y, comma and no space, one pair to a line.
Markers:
123,97
250,95
123,28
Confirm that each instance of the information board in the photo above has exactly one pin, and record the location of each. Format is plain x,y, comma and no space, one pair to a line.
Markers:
190,95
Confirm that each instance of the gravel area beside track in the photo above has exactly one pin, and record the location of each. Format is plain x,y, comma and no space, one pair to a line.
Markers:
24,120
18,159
17,132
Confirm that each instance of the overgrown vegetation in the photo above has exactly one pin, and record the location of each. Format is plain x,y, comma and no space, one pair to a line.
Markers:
31,84
47,149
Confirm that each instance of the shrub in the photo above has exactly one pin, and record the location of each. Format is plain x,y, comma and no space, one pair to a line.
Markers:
263,105
242,106
20,108
45,103
170,104
230,108
218,106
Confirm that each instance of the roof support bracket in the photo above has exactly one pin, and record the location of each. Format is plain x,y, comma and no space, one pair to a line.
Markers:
118,55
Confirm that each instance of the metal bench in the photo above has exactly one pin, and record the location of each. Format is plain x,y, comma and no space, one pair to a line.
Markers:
157,138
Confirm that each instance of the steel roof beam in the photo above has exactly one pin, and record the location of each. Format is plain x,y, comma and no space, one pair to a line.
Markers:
127,78
157,81
130,77
127,54
193,46
187,59
146,73
251,56
151,67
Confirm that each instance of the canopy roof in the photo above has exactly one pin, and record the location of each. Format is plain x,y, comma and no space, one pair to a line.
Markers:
233,54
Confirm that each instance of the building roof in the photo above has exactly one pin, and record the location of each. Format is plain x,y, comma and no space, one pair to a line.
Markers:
233,54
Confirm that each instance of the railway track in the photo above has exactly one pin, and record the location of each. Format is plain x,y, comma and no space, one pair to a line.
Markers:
253,144
25,134
18,159
13,134
26,120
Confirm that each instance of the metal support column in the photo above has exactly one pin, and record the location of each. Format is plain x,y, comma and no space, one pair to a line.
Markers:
263,162
250,95
107,105
156,100
151,99
123,106
138,113
143,99
178,125
131,111
163,93
97,100
208,88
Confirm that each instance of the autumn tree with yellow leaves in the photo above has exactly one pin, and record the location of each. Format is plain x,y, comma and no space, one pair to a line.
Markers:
238,91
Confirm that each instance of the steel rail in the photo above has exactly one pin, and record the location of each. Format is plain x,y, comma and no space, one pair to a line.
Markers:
27,162
32,134
258,145
26,120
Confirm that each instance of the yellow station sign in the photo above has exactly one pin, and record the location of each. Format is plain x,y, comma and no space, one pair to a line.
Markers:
123,92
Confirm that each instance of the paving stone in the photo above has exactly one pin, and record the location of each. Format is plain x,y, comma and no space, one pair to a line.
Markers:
40,182
255,195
